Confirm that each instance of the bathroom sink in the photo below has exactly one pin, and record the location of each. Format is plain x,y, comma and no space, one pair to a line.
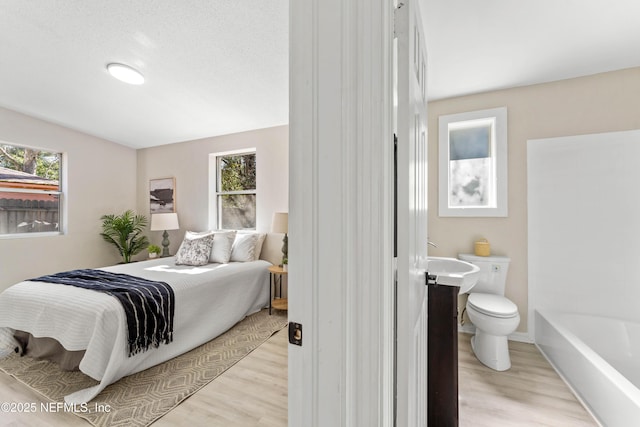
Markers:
453,272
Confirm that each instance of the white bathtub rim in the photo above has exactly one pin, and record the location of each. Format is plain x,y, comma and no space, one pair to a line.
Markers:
577,395
608,371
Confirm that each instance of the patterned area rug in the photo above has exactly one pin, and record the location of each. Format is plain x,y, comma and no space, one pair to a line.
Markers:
142,398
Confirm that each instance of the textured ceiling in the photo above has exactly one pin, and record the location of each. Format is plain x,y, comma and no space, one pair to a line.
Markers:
212,67
215,67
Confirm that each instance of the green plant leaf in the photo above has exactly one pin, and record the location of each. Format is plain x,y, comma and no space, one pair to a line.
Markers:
125,233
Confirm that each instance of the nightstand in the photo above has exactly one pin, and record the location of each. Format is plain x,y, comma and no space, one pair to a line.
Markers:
275,280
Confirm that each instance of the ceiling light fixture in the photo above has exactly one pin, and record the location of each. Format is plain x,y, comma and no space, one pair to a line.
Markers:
125,73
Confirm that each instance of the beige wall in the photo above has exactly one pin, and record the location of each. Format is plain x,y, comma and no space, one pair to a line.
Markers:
188,162
100,179
599,103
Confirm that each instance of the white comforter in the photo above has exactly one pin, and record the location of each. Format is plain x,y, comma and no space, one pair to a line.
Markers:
209,300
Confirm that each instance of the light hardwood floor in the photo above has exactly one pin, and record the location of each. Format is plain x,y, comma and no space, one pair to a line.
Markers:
529,394
254,393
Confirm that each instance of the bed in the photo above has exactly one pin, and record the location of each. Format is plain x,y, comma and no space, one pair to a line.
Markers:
209,300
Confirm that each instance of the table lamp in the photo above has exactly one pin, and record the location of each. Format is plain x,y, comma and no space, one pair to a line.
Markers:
280,224
164,221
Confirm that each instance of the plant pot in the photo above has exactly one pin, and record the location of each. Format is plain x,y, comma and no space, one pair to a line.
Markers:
285,267
153,255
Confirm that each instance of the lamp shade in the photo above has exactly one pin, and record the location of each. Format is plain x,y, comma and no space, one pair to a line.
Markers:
164,221
280,223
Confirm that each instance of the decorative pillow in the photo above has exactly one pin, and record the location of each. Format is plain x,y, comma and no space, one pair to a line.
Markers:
222,243
197,234
261,238
244,247
195,250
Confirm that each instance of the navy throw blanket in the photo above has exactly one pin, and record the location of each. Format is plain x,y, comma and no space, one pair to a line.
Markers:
148,305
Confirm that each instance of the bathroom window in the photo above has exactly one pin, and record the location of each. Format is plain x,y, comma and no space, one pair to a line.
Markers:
473,164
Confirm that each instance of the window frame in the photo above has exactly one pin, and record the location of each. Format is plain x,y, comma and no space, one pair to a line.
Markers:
498,206
59,193
215,179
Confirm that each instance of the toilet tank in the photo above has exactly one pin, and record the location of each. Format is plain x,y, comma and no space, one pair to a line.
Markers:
493,273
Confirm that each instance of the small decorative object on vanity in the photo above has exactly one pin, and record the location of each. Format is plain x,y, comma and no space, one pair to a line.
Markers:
285,264
482,248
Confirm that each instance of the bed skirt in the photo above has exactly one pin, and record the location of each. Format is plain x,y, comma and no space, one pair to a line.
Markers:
48,349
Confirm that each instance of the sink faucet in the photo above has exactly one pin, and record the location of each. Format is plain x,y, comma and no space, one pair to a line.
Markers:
430,243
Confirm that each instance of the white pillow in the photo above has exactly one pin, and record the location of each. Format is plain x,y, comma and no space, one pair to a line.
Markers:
222,244
261,238
244,247
195,250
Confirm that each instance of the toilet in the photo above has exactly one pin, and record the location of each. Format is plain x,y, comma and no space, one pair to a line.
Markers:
493,315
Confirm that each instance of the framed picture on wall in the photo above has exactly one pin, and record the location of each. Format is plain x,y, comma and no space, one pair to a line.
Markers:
162,195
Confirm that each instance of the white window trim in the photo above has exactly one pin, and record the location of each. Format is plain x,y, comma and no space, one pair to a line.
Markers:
499,155
214,178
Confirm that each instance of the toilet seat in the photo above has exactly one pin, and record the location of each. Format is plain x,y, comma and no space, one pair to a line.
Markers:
492,305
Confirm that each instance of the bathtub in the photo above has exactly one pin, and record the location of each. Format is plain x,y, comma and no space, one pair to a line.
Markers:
599,358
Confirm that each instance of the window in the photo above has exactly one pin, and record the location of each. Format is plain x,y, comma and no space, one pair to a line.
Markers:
30,191
236,190
473,163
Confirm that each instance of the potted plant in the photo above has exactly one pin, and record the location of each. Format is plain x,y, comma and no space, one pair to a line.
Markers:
154,251
285,264
125,233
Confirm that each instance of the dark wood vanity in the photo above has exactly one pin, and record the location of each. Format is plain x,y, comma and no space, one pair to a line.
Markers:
442,355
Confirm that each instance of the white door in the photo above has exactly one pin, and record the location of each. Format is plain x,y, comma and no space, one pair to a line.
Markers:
411,303
341,277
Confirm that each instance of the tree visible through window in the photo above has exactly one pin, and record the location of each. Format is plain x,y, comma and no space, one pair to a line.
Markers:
30,190
236,191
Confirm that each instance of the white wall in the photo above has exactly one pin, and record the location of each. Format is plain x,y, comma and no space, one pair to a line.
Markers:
584,224
100,179
188,162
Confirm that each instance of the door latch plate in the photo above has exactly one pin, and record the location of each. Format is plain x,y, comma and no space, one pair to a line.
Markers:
295,333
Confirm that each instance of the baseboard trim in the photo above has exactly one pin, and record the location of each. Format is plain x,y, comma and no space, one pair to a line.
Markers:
467,328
